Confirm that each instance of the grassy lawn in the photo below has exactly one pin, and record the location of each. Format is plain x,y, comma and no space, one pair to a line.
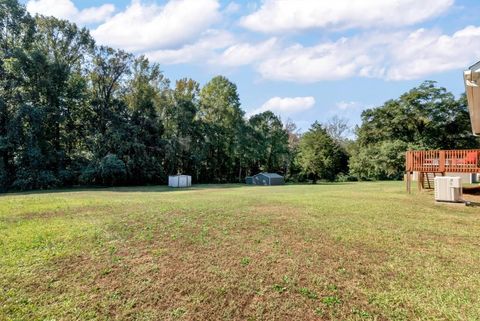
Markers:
352,251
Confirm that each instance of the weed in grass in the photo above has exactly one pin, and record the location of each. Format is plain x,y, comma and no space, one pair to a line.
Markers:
332,287
342,271
308,293
106,271
330,301
245,261
319,311
280,288
178,312
222,291
361,313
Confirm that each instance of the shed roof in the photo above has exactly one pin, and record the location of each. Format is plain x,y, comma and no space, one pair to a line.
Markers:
271,175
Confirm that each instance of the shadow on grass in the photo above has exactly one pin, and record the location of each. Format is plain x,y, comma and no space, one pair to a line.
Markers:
124,189
160,188
473,204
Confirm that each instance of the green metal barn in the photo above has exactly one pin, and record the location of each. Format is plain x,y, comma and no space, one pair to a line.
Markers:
265,179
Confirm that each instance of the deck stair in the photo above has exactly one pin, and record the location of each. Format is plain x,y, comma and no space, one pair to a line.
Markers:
429,179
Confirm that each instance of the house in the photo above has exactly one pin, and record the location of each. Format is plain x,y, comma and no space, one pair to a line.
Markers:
179,181
265,179
472,88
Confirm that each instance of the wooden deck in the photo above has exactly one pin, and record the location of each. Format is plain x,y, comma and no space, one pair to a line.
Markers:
440,162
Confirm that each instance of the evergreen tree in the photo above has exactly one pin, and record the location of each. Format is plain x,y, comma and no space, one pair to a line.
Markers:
320,156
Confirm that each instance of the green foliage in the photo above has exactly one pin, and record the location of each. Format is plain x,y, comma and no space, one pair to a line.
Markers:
112,170
245,261
72,112
426,117
320,156
308,293
330,300
384,160
268,144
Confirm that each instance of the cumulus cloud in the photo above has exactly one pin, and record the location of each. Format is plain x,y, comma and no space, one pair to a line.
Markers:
393,55
326,61
216,48
246,53
148,26
286,105
425,52
66,9
347,105
232,7
281,16
201,51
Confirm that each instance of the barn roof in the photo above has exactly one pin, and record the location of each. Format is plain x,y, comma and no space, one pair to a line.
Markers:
271,175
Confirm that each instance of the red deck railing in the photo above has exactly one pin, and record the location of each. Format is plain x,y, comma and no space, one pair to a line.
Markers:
442,161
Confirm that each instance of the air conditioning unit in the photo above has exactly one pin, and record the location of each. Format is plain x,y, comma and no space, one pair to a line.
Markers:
448,189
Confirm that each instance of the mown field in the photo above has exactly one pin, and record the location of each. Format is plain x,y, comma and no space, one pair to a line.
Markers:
350,251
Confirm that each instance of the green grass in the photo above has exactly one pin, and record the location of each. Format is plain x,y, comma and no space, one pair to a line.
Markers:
351,251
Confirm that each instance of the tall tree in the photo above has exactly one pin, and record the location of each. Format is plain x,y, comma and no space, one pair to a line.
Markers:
144,152
182,128
320,156
271,142
223,121
66,48
17,31
108,117
292,169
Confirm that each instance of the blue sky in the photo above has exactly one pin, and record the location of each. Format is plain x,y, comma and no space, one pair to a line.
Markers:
305,60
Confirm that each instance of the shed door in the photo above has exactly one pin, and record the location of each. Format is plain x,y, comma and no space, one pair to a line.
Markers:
183,181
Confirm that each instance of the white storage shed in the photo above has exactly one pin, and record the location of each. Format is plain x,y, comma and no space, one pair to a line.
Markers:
180,181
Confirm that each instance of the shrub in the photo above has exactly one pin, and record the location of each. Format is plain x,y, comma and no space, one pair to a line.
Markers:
112,170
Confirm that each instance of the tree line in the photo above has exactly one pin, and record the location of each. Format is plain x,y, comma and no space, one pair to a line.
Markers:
73,112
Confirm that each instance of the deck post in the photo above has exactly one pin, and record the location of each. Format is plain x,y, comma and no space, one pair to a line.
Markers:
408,180
442,162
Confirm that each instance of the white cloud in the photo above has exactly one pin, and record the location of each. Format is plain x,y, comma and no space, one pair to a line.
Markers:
285,105
347,105
143,27
246,53
201,51
288,15
326,61
216,48
66,9
232,7
425,52
394,56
